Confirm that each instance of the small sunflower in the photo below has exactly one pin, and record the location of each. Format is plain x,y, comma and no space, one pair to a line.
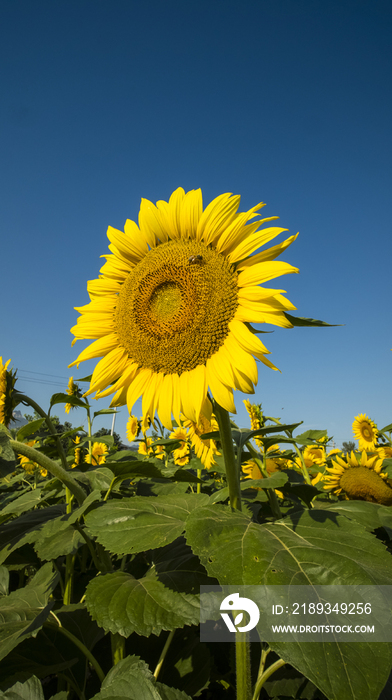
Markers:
365,431
207,423
252,471
72,390
315,454
145,447
256,418
133,428
7,400
77,452
360,480
170,312
99,453
29,466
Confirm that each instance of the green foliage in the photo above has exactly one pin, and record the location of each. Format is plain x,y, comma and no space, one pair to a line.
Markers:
99,595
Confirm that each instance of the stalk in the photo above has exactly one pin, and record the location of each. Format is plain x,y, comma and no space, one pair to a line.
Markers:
27,401
53,468
232,471
163,654
242,656
87,653
273,501
118,647
262,679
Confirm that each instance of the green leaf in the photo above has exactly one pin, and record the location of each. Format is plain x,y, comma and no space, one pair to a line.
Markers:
66,541
23,611
131,679
120,603
66,398
25,529
4,580
306,548
20,505
387,429
99,478
301,321
104,411
7,455
29,429
140,523
85,379
178,568
189,660
309,437
29,690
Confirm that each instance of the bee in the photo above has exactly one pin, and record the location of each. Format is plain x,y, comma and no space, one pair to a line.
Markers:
195,259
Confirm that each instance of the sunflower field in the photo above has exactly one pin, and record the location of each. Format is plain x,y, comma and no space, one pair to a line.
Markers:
104,548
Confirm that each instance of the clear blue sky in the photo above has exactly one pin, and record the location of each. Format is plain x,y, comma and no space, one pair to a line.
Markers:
284,101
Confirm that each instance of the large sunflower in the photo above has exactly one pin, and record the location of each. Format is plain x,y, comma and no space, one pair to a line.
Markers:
169,311
361,480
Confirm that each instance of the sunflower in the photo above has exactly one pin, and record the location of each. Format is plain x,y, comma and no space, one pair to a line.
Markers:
72,390
256,418
7,401
29,466
252,471
133,428
145,447
365,431
181,454
207,423
99,452
360,480
171,308
77,452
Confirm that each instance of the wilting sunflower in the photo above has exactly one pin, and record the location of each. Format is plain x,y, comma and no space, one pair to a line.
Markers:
360,480
99,452
7,401
365,431
170,311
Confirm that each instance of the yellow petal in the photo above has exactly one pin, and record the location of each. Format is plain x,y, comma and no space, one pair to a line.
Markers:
217,215
108,369
190,213
198,388
151,223
262,272
137,387
124,381
99,348
267,255
165,402
222,394
254,241
102,287
248,340
188,408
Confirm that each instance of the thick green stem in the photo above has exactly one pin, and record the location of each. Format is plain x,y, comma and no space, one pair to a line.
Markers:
90,444
242,655
198,486
30,402
163,654
232,471
53,468
118,647
87,653
260,681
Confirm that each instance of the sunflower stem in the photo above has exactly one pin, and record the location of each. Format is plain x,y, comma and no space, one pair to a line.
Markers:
55,469
264,677
232,471
90,442
118,647
163,654
27,401
242,656
305,472
82,647
198,485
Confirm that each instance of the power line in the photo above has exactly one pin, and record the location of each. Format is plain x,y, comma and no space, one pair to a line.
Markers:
40,381
29,371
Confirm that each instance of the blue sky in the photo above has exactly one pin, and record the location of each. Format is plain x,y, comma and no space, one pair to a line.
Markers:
286,102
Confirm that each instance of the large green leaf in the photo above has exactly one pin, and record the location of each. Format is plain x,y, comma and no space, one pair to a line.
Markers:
131,679
25,529
7,455
65,541
29,690
21,504
140,523
29,429
23,611
66,398
178,568
120,603
317,547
